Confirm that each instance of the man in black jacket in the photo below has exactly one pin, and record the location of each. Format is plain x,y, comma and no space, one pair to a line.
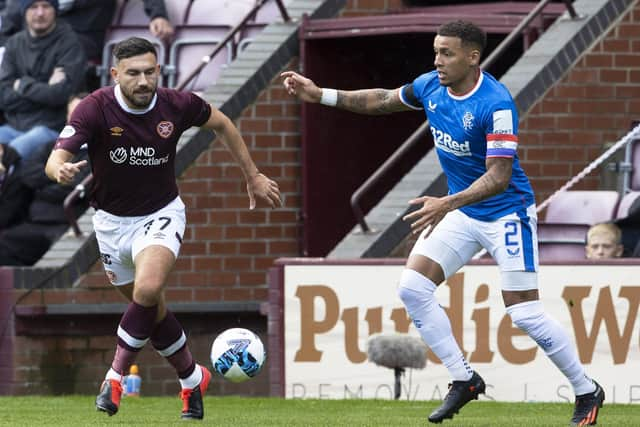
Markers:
14,196
24,242
32,215
42,66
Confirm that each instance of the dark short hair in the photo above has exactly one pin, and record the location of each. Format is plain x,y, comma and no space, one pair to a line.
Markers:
133,46
469,33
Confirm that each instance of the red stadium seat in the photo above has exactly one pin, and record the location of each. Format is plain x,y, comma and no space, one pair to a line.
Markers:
207,24
582,207
218,12
187,52
561,252
177,11
562,233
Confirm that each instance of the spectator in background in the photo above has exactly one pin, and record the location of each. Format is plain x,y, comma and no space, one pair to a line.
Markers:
630,226
90,19
31,209
604,241
42,66
13,197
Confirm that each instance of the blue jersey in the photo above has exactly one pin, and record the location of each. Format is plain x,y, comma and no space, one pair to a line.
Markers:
468,129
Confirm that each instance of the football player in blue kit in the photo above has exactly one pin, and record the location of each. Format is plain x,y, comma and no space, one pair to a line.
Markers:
490,204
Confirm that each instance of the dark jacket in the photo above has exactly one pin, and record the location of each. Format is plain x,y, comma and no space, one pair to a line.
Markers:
15,196
42,220
32,60
90,20
630,226
156,8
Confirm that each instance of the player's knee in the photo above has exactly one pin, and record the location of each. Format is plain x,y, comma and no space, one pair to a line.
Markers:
415,290
406,295
527,315
147,293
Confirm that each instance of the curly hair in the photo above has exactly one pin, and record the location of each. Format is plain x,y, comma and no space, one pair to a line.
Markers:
469,33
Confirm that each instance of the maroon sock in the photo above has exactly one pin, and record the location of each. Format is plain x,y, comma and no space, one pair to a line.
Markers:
169,340
133,333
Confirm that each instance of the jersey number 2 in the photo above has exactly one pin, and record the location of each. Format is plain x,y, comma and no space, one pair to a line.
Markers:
511,238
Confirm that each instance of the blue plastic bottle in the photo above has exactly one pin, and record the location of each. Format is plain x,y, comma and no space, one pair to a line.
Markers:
132,382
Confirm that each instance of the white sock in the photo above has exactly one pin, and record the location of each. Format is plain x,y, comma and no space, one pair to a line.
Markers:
551,337
192,380
416,292
113,375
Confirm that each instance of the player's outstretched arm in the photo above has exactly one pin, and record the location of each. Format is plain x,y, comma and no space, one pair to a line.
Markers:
259,186
364,101
59,167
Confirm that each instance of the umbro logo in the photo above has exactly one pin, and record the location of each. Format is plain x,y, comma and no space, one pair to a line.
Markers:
432,107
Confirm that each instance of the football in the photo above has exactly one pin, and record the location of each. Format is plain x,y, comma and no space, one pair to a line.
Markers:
237,354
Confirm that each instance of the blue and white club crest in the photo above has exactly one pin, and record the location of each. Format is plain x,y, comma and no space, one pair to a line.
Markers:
467,121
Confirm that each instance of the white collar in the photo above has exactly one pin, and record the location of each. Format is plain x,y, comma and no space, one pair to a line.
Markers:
471,92
125,107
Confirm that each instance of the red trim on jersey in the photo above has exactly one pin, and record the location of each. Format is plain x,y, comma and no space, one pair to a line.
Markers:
502,137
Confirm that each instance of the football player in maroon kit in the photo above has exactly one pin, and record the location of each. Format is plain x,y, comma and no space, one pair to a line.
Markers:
131,130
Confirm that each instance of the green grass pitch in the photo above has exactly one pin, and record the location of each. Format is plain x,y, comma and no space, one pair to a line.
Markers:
238,411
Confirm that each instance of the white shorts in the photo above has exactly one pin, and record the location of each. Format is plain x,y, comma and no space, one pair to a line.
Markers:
511,240
121,238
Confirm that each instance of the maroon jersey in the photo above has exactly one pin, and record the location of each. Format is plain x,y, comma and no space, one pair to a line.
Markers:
132,153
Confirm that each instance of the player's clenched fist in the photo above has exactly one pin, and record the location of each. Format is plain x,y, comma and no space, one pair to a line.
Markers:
300,86
68,170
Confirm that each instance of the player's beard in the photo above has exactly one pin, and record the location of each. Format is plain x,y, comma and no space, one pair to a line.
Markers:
140,97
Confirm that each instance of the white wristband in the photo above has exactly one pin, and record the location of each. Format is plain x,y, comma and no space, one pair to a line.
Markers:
329,97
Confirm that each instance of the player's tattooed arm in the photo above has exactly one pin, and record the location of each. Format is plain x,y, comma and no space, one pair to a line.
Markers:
431,210
494,181
364,101
371,101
